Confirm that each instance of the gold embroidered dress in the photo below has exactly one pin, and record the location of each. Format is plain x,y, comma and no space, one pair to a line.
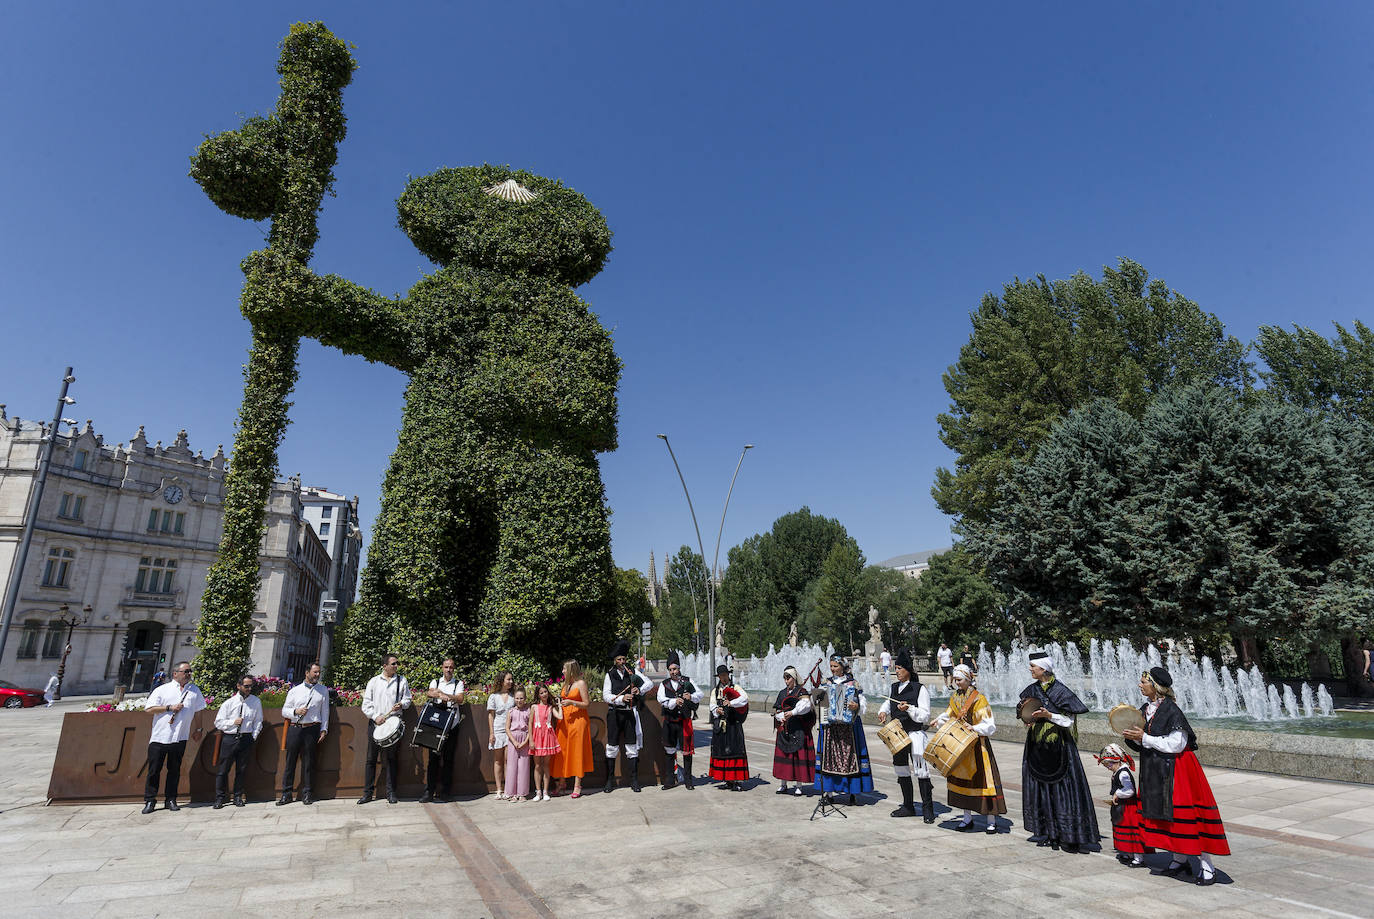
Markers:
975,784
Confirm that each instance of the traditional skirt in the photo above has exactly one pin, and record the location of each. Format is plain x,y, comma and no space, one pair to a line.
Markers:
842,759
1056,802
1126,836
975,784
798,766
1196,827
729,763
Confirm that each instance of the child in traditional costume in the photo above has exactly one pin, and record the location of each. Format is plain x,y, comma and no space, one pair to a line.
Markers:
1125,805
1056,801
1177,809
974,784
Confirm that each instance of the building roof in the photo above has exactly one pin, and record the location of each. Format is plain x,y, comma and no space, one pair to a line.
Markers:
911,558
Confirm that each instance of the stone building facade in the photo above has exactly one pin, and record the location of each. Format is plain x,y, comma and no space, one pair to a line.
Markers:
131,531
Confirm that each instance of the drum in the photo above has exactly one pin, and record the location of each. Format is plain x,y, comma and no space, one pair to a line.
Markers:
895,736
1026,708
388,733
951,743
1125,716
436,721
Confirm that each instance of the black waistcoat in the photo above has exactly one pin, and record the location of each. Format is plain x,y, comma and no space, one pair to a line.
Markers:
911,696
622,682
675,714
1157,769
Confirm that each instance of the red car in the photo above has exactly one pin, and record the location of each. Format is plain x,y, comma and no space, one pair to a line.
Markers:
12,696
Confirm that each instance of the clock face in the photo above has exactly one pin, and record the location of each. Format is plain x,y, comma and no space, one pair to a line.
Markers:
172,493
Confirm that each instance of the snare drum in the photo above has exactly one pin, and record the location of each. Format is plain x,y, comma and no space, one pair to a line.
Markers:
895,736
388,733
950,745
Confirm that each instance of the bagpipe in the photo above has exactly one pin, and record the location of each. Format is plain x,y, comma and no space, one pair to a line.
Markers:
721,697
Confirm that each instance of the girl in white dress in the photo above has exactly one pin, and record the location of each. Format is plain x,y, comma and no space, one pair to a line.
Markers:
499,704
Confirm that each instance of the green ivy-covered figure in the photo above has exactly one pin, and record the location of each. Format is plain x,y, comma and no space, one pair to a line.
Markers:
492,541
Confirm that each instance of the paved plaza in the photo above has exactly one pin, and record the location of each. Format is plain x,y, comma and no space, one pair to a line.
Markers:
1301,848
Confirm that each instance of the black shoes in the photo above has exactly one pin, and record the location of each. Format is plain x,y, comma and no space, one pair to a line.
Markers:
1175,869
284,799
906,810
391,797
426,797
240,800
367,796
1206,880
149,807
670,782
219,804
307,798
172,804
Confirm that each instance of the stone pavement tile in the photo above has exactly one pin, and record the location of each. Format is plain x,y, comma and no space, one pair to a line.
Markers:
1339,826
52,866
96,893
264,894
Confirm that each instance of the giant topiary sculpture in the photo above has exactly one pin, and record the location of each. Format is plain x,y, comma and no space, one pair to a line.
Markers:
492,542
277,167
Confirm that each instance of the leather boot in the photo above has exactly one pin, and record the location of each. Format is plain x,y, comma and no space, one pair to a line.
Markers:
240,800
633,762
927,800
610,776
149,807
171,804
908,808
670,778
219,803
687,772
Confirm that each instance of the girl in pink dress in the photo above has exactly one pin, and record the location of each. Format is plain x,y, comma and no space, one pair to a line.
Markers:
543,738
518,750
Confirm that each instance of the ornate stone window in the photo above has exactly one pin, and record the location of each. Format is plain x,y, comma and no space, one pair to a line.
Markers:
155,575
28,642
52,645
71,506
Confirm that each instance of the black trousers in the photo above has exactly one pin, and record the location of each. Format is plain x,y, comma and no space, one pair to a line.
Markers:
158,755
301,741
234,750
370,771
440,774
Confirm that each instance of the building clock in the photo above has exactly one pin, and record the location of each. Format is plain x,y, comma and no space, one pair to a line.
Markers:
172,493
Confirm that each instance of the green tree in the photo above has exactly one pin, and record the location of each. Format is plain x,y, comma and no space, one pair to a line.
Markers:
1044,348
839,613
893,594
955,602
1064,542
1317,374
632,606
681,615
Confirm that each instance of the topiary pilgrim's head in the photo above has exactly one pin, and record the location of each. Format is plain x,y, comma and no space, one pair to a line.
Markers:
506,220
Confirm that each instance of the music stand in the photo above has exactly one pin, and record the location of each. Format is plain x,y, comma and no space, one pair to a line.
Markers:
827,806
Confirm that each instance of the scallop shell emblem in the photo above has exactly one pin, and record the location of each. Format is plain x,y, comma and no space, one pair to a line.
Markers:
511,190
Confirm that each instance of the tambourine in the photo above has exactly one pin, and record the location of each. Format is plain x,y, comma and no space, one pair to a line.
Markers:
1125,716
1027,708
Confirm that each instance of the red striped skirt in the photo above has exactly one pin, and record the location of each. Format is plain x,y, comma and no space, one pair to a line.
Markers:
795,767
729,769
1126,832
1196,827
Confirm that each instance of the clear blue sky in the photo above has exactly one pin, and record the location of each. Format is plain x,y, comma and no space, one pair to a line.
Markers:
807,200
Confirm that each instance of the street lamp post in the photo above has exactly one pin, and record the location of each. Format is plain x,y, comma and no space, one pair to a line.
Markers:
31,517
71,625
711,573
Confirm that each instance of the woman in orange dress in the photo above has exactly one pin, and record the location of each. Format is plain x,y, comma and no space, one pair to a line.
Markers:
574,759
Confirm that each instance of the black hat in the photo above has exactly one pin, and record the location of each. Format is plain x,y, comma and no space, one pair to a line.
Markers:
904,661
1161,677
722,670
622,649
673,659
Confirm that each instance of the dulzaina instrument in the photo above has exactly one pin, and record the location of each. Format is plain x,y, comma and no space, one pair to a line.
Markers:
1125,716
951,743
895,736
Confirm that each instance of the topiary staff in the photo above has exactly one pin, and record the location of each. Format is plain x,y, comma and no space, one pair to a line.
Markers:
276,167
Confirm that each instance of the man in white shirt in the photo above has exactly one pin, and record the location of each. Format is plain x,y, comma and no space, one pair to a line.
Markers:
173,705
945,657
448,691
50,691
239,721
885,662
306,712
387,694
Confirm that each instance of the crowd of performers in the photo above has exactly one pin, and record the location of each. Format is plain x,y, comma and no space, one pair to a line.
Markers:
1169,806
